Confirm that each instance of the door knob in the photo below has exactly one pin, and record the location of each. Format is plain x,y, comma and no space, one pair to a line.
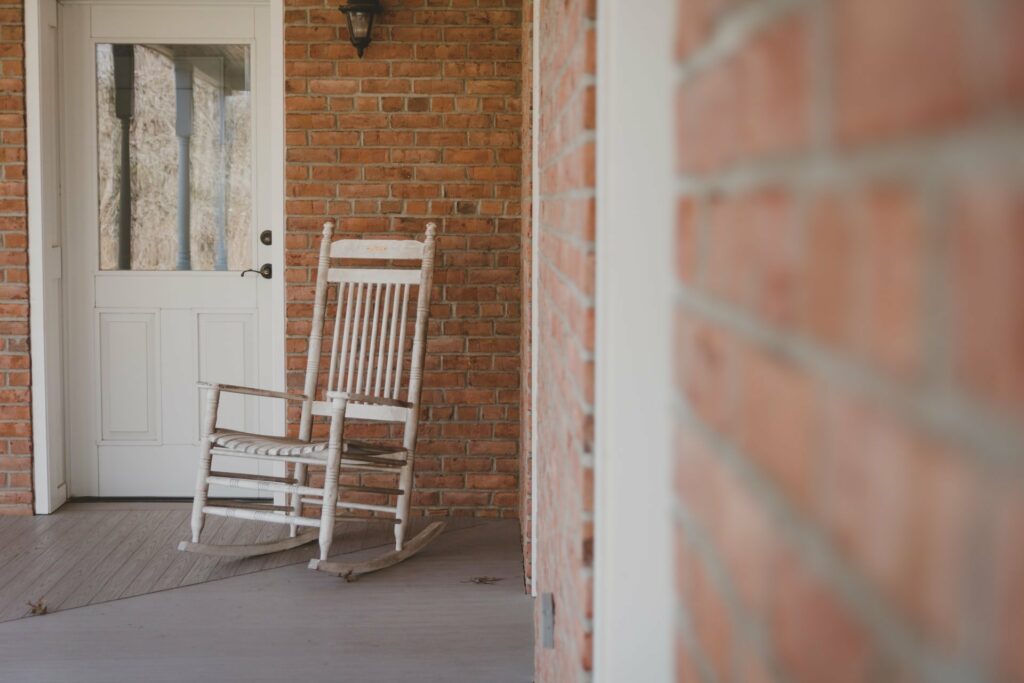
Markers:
266,271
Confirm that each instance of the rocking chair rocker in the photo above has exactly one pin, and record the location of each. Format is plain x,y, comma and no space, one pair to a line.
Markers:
364,381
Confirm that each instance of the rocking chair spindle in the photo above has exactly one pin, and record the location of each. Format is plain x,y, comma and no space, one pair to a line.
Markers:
364,381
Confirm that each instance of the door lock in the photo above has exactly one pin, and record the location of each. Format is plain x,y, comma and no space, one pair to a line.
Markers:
266,271
267,238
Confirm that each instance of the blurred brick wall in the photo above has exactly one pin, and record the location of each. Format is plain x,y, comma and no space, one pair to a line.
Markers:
564,230
425,127
15,398
849,328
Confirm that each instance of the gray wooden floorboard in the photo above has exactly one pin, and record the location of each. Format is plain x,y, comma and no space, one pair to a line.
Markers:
92,560
30,539
5,522
159,561
180,565
19,581
423,620
121,560
15,599
159,538
88,592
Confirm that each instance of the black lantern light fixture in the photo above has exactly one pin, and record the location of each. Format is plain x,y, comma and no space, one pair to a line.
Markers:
360,14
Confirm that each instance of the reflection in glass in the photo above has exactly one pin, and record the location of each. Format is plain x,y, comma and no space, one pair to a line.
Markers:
186,197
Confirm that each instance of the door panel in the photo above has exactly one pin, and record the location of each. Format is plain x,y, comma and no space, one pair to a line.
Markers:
129,389
172,290
164,144
154,22
226,355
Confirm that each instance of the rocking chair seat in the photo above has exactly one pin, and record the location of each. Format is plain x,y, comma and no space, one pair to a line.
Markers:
357,453
259,444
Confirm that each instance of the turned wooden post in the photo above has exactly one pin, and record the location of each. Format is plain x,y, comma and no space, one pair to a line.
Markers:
205,459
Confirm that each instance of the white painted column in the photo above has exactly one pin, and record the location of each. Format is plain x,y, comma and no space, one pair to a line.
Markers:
633,461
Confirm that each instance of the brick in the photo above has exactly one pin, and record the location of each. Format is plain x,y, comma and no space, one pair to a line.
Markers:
778,420
711,621
708,118
806,611
894,79
752,253
686,239
887,484
775,95
827,271
491,481
705,369
892,278
987,271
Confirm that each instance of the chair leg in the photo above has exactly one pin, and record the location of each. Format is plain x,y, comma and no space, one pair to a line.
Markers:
330,504
402,509
202,488
296,502
331,474
205,460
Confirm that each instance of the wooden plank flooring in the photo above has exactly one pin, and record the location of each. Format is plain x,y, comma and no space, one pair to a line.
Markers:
89,553
423,621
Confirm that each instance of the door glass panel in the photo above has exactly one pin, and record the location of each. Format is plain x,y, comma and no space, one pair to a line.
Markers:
178,195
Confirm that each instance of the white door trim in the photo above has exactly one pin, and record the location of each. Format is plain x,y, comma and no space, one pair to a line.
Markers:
47,368
47,371
633,360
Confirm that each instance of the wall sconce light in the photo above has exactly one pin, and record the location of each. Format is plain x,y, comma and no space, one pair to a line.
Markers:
360,14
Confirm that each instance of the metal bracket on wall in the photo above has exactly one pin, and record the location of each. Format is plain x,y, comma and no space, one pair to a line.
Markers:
547,620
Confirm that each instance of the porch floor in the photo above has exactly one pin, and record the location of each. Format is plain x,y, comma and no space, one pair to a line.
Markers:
88,553
424,620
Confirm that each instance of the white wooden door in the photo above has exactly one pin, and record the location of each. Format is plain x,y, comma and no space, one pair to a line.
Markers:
155,302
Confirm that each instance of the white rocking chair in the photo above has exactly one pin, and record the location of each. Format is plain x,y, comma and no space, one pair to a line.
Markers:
364,381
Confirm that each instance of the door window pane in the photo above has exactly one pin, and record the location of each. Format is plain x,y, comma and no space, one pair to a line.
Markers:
178,195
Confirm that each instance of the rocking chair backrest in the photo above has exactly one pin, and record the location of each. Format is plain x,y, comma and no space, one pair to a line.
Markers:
368,341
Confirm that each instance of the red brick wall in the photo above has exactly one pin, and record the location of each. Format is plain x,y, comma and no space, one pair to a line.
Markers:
526,245
850,340
564,230
426,127
15,400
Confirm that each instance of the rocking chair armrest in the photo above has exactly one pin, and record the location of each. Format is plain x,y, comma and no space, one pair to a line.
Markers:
363,398
252,391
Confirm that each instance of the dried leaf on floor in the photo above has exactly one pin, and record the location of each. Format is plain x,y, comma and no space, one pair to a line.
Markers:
38,607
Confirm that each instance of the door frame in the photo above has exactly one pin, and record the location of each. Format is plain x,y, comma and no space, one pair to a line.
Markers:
47,366
633,352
